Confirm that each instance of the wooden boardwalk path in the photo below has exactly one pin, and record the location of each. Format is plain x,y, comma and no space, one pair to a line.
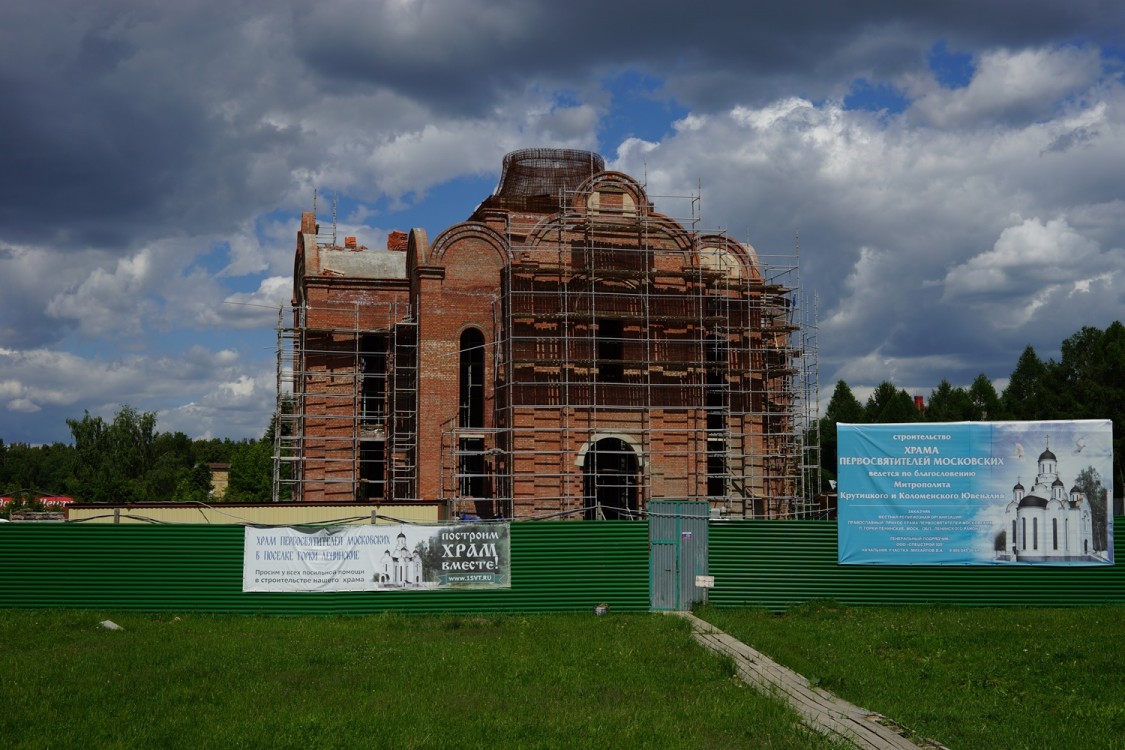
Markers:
822,710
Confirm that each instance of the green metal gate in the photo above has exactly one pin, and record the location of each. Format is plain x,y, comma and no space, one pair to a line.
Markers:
677,552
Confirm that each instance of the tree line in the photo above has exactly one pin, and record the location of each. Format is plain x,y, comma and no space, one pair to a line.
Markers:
126,460
1086,382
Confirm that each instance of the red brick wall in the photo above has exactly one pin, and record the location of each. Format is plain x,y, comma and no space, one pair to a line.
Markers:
460,282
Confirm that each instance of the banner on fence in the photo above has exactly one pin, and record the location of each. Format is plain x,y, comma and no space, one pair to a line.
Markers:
971,493
377,558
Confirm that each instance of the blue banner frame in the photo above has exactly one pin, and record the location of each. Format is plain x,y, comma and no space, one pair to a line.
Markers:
975,493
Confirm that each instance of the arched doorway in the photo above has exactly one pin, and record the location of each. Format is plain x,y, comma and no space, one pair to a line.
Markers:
610,472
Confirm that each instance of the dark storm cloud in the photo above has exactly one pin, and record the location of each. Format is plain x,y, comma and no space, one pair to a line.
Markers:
461,55
25,322
113,124
125,120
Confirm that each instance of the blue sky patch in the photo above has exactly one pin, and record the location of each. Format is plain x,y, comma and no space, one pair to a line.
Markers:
640,108
952,69
875,97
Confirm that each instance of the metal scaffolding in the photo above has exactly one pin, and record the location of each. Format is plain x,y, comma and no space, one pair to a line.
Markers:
633,358
333,431
691,378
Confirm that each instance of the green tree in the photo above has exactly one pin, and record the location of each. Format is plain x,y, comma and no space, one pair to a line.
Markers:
949,404
173,462
40,470
97,478
114,458
888,404
214,450
986,403
1085,374
1028,393
251,473
193,486
132,439
128,460
842,407
1090,378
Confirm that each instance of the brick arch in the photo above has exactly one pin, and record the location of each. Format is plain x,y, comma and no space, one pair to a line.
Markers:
612,471
712,246
445,250
417,247
660,228
630,440
612,182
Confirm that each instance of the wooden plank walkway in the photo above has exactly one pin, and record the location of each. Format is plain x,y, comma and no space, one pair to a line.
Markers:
822,710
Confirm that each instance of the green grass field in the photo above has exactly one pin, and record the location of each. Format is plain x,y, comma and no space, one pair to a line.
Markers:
542,681
973,679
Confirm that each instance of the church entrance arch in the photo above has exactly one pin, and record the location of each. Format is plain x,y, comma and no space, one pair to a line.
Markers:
611,472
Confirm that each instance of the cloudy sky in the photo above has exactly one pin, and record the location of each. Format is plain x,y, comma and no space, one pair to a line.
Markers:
954,170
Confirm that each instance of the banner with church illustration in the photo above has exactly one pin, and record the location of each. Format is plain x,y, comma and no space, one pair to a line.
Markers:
976,493
377,558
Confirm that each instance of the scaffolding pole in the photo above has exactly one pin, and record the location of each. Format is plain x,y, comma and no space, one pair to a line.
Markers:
634,357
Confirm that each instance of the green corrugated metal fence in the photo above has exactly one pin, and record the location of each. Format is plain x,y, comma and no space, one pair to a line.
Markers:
555,567
777,564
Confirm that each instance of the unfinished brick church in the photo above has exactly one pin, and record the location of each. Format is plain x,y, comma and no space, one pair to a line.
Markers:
567,351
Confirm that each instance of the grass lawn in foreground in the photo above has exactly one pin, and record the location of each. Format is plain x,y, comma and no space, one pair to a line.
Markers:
199,681
971,678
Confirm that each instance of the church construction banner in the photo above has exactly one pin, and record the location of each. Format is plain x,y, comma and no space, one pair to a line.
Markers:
975,493
377,558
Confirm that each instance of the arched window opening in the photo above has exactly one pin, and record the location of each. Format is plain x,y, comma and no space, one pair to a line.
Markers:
472,468
1035,533
472,379
610,480
1055,533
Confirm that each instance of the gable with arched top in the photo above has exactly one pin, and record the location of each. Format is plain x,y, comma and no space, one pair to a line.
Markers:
467,249
609,194
471,377
734,260
661,232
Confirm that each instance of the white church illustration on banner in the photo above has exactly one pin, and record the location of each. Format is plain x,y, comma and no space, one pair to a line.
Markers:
1046,523
403,568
